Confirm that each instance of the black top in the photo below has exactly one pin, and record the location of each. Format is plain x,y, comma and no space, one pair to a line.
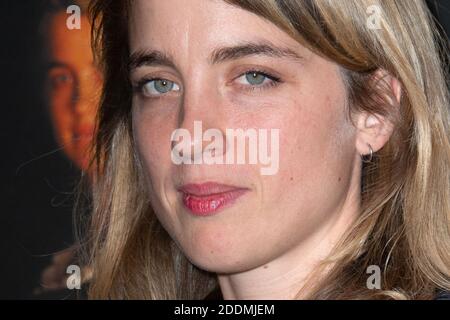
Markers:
443,295
216,294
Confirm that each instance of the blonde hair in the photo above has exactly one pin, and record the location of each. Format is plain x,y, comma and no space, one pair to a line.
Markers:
403,226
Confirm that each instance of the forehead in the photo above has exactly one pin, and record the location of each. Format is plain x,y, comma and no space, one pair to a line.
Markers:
179,25
65,44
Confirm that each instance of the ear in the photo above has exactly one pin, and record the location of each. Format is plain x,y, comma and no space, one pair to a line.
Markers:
374,129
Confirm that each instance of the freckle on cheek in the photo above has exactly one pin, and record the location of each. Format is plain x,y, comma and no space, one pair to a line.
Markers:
339,179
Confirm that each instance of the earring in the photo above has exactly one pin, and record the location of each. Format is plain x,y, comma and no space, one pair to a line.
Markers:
370,157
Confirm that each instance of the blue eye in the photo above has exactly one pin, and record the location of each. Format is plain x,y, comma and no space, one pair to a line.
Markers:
257,79
157,87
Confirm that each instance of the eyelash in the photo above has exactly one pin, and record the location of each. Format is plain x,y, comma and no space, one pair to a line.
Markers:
138,87
274,81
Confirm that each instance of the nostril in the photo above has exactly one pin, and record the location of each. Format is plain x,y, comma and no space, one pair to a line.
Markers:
197,148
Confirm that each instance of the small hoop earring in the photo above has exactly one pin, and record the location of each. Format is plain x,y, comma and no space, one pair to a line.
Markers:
370,157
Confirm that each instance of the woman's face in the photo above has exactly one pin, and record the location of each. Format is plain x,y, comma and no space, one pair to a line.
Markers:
230,69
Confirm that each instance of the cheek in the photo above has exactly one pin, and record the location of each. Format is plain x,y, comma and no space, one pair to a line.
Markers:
150,145
315,154
63,122
306,141
318,131
62,110
152,134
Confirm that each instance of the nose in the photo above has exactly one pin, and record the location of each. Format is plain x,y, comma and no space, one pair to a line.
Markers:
202,123
86,95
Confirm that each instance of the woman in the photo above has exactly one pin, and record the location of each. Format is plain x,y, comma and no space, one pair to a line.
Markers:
358,205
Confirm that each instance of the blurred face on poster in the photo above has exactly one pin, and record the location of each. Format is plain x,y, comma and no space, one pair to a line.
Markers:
73,86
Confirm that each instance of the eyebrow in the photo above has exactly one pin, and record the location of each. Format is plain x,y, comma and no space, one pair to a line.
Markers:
248,49
56,64
219,55
149,58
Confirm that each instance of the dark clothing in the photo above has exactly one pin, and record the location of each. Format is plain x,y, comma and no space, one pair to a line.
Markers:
216,294
443,295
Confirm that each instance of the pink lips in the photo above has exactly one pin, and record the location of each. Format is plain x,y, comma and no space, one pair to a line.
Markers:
208,198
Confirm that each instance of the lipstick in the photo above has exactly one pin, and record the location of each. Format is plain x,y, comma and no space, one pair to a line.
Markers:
208,198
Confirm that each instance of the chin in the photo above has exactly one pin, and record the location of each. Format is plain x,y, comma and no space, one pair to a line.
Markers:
213,259
219,265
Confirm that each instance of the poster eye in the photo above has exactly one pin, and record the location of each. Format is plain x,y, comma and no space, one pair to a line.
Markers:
59,78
